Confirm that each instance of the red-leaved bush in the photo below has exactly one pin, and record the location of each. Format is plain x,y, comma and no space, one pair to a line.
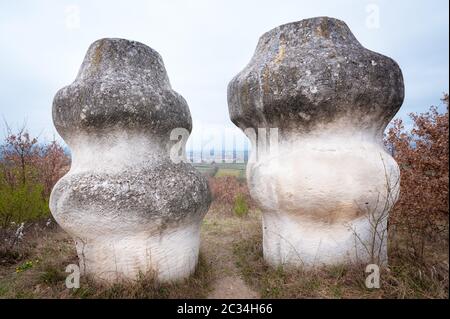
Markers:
422,151
226,189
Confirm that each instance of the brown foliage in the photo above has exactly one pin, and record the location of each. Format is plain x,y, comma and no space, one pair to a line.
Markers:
28,171
18,153
422,154
24,160
53,164
226,189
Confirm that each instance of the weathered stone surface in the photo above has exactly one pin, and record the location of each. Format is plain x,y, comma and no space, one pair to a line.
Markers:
313,72
331,100
129,207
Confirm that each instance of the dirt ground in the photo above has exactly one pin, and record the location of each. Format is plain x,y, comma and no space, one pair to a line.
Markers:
40,272
231,265
219,234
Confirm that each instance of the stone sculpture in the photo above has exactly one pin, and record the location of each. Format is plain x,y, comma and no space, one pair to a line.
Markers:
326,187
129,207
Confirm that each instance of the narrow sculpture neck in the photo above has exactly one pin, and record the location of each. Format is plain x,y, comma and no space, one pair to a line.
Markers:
337,132
116,151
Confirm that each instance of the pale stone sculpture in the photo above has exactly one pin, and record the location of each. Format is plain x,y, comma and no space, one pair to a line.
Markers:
326,188
128,206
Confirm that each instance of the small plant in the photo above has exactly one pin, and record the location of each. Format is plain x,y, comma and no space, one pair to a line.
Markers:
52,275
24,266
240,206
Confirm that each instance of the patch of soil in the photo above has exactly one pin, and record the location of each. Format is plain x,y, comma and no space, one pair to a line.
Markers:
218,235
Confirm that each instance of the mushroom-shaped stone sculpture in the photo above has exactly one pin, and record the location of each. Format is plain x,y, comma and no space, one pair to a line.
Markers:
129,207
326,186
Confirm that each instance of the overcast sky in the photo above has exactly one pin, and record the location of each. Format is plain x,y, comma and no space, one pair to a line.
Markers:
203,45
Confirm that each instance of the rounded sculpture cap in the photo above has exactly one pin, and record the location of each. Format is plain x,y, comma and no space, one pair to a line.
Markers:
312,72
121,84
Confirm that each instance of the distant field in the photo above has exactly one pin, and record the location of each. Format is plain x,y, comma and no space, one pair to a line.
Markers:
221,169
228,172
206,169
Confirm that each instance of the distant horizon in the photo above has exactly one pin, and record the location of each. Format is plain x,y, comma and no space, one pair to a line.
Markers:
204,44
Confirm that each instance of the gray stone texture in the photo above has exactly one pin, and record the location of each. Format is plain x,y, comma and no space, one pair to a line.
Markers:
311,72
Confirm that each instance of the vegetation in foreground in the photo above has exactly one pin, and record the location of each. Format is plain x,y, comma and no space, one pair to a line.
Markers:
34,251
40,273
404,278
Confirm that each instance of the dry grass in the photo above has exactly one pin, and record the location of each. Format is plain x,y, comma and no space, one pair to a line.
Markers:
230,195
41,274
404,278
146,287
231,248
220,230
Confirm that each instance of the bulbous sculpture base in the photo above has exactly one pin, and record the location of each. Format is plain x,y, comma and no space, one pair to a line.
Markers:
289,241
171,255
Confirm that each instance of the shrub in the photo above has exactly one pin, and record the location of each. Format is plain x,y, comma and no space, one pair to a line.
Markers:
21,203
422,154
225,189
28,172
240,206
